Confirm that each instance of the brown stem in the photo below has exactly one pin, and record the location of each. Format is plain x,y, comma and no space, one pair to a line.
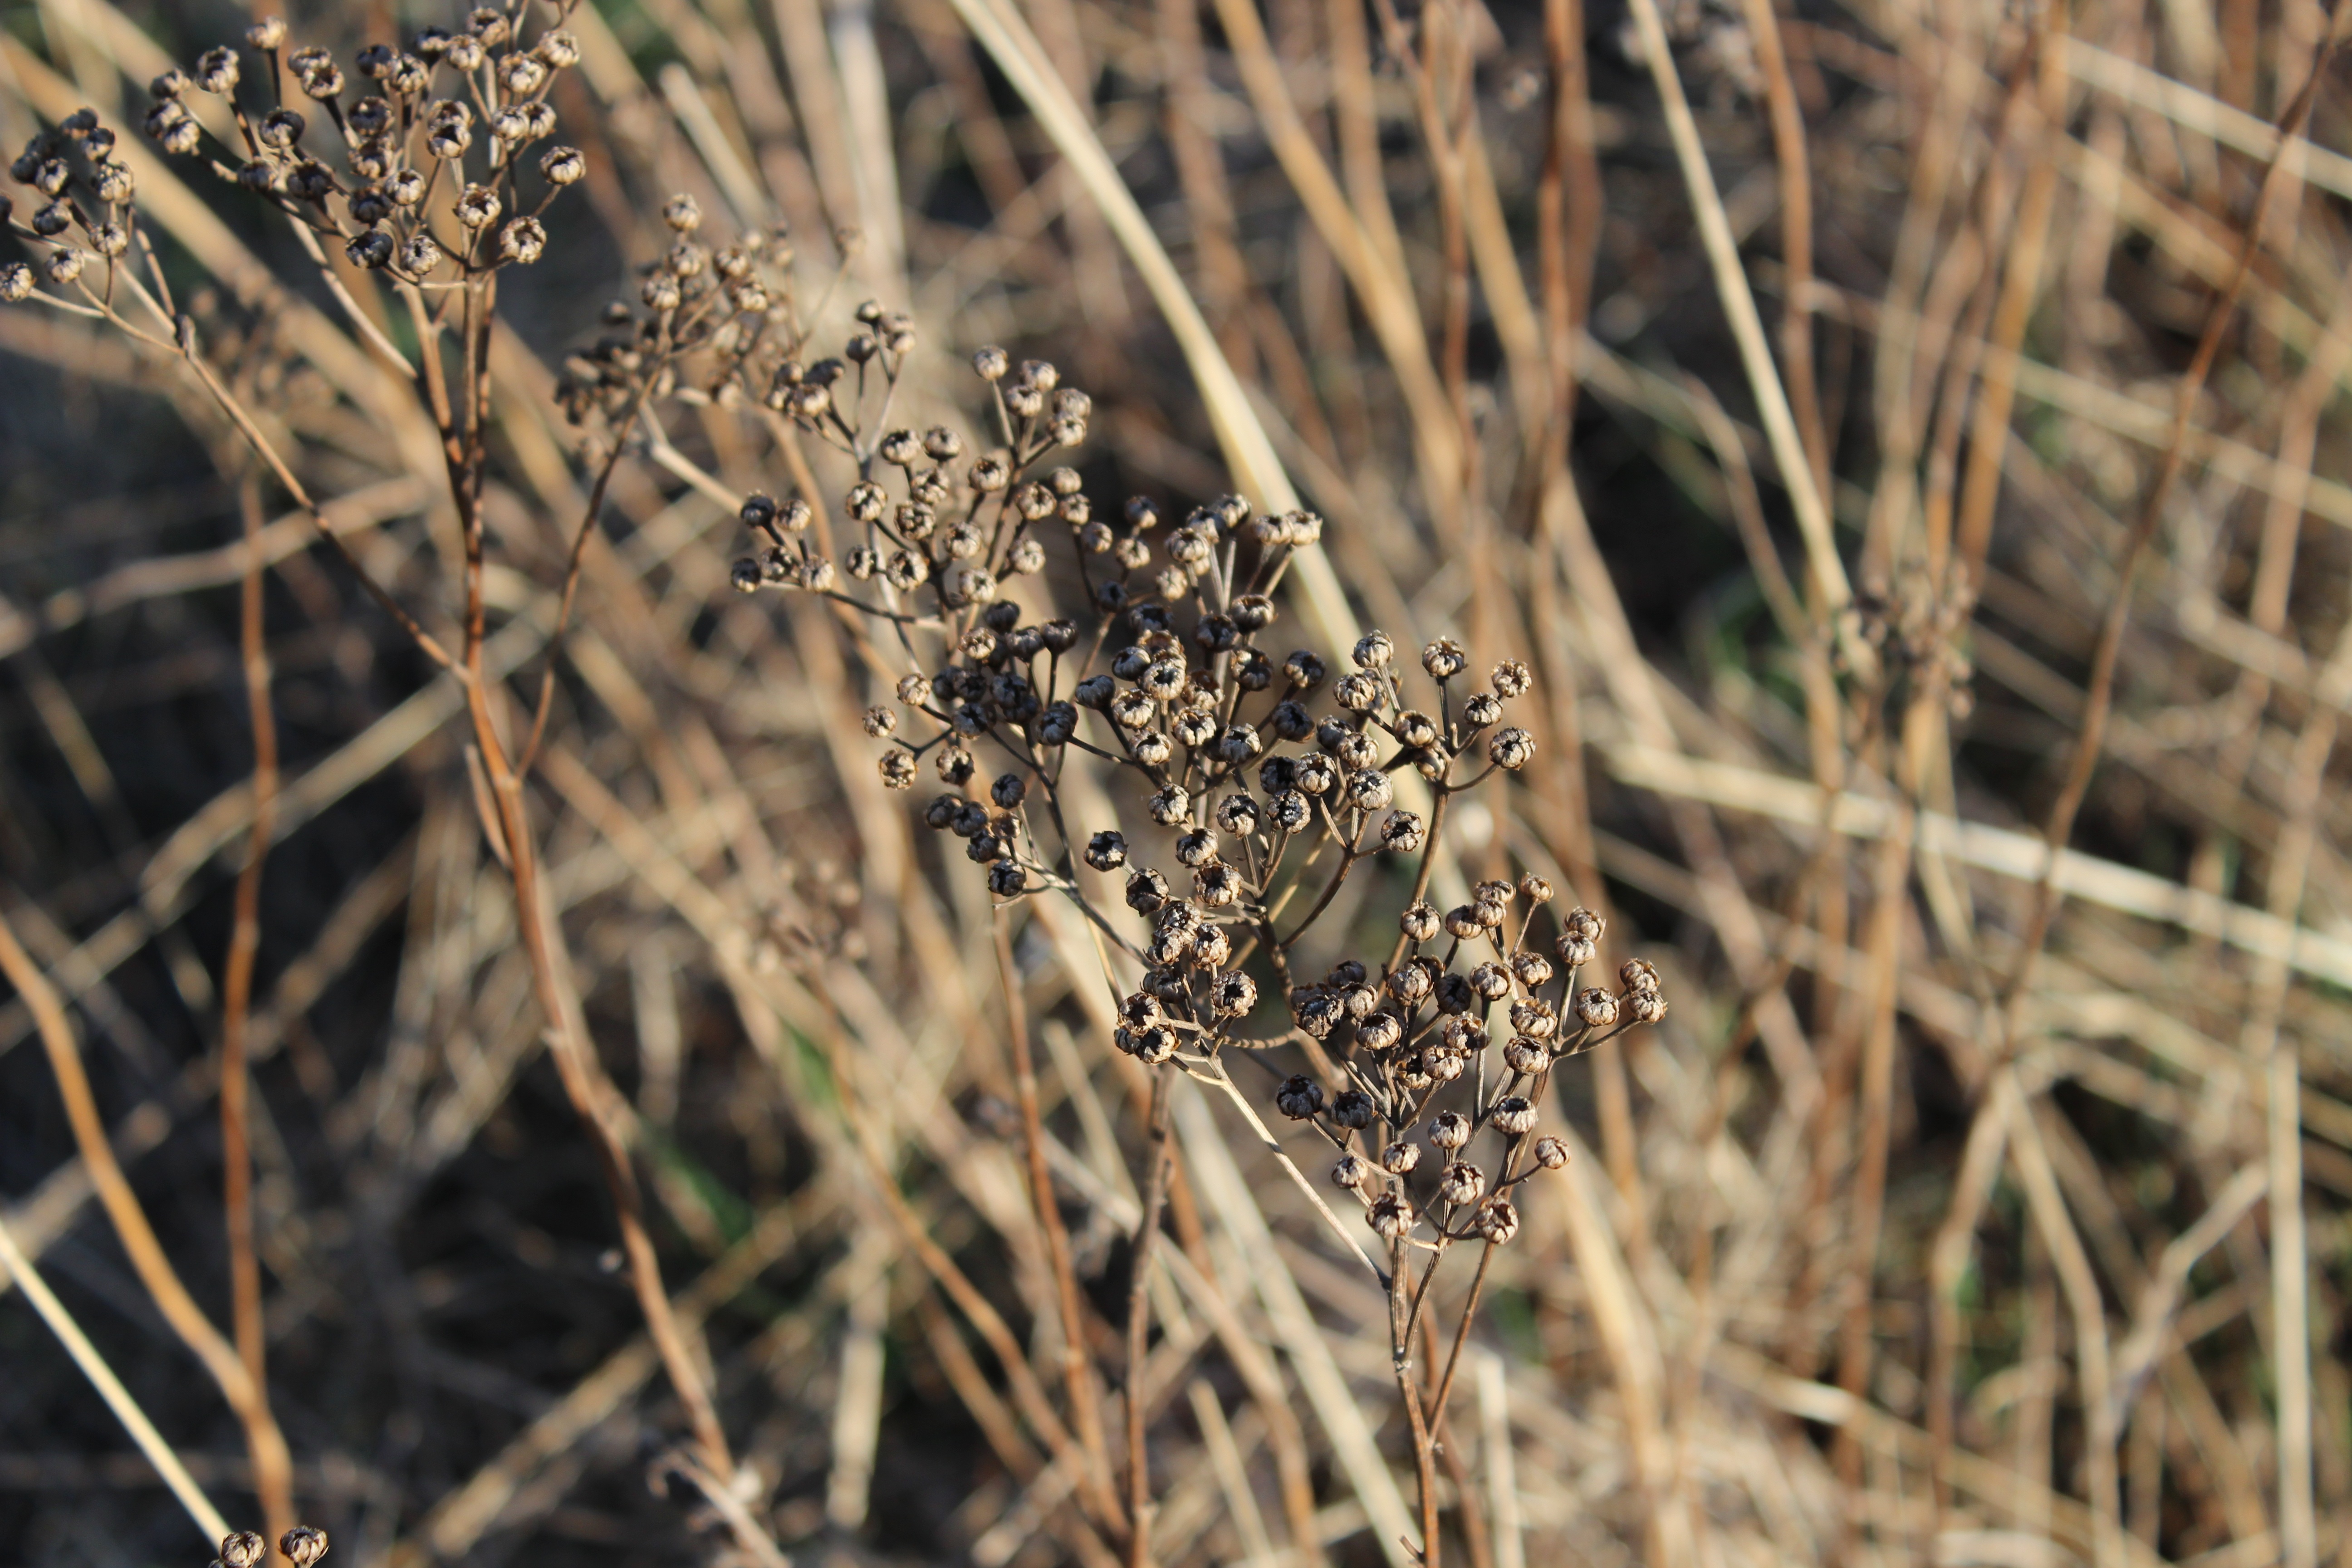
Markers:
237,1010
1347,859
1856,1344
572,566
1401,1359
1078,1368
1028,1395
595,1100
237,416
1138,1328
591,1094
1461,1338
1473,1518
465,445
1568,217
1796,236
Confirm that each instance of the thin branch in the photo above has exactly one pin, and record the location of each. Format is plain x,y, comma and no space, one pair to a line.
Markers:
1139,1508
237,1007
1077,1367
14,1265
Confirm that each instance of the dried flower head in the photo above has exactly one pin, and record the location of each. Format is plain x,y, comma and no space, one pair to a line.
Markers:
1461,1183
1299,1098
1449,1130
1514,1114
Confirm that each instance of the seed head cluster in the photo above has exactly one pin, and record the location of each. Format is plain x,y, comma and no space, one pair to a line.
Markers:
1423,1030
714,322
1246,781
84,221
940,527
421,176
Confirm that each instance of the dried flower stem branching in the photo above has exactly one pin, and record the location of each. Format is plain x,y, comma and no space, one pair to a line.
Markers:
400,149
1176,723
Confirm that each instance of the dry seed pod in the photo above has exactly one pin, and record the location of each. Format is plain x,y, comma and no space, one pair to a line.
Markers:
1298,1098
1461,1183
1514,1114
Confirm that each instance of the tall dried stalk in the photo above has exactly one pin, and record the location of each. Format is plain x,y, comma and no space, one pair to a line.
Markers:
237,1007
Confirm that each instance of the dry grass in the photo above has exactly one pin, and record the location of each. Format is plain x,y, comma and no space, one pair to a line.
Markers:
1932,566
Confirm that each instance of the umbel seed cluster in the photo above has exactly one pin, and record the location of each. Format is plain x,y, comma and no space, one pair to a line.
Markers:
1245,783
421,176
711,324
1403,1036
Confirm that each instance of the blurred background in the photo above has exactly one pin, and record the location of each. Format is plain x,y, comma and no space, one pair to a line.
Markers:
1847,410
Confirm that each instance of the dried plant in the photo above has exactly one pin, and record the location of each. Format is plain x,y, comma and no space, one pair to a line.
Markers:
1186,709
1163,683
1981,1199
442,218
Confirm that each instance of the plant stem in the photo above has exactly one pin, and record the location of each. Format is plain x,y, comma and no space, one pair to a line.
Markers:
1138,1328
1460,1337
237,1008
1401,1360
1077,1369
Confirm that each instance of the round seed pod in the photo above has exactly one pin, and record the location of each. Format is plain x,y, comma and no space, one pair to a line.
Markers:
1300,1097
1514,1114
1461,1183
